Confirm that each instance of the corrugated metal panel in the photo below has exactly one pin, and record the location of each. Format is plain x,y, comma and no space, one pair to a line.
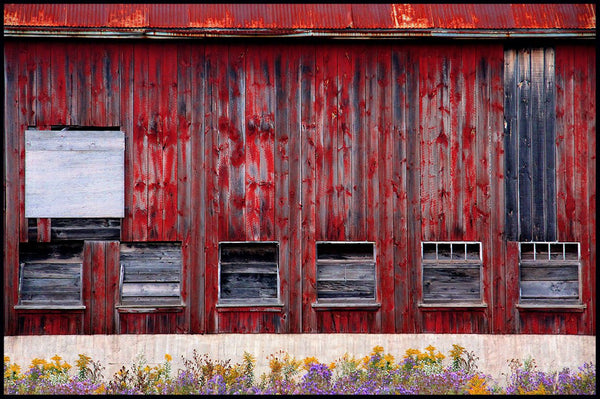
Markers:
303,16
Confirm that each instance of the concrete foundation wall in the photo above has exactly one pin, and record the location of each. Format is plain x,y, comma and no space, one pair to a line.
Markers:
551,352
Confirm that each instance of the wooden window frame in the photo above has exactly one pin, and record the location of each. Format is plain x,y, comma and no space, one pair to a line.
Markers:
49,262
252,302
550,255
455,262
149,304
349,302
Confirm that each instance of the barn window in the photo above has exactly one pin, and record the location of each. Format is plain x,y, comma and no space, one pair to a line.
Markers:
549,273
74,174
530,143
346,272
50,275
248,273
150,275
451,272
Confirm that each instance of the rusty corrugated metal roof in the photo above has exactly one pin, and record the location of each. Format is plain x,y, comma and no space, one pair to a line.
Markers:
285,19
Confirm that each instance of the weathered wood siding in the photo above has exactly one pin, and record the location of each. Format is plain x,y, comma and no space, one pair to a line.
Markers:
388,143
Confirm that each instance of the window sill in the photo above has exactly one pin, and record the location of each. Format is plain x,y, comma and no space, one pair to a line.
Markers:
324,306
149,308
525,307
451,306
49,307
249,307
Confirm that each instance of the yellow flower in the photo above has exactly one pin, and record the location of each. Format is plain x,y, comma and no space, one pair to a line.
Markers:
331,365
377,350
6,359
168,357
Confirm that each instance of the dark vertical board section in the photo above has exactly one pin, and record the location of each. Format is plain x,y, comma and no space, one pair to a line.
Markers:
126,124
13,86
498,311
213,203
524,143
538,147
549,145
511,135
409,316
309,164
196,167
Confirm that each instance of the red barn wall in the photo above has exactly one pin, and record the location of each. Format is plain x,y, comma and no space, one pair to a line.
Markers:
299,143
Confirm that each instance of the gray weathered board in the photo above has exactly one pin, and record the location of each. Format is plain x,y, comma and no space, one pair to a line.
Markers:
71,174
50,275
248,273
150,274
345,270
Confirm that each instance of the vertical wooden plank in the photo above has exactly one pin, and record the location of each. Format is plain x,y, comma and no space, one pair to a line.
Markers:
83,87
44,86
112,77
309,166
98,281
197,169
387,133
186,180
399,251
524,140
346,136
356,113
326,108
139,147
58,68
483,139
584,125
292,124
267,147
254,101
538,156
169,142
468,138
410,319
232,129
591,112
14,84
98,89
284,118
549,144
497,269
28,113
43,229
155,136
126,122
113,267
511,143
221,95
429,125
457,110
212,200
87,282
443,145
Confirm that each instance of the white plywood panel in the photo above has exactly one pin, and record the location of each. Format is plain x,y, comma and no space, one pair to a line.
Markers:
70,174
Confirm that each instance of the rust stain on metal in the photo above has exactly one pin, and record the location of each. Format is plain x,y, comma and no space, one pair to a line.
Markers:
405,17
127,18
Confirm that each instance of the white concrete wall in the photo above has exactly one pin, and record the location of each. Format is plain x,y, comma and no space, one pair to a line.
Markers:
551,352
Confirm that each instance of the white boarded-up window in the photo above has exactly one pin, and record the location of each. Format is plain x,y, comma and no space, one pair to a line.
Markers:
74,174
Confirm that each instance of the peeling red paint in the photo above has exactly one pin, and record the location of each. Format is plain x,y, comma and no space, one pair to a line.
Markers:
278,17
